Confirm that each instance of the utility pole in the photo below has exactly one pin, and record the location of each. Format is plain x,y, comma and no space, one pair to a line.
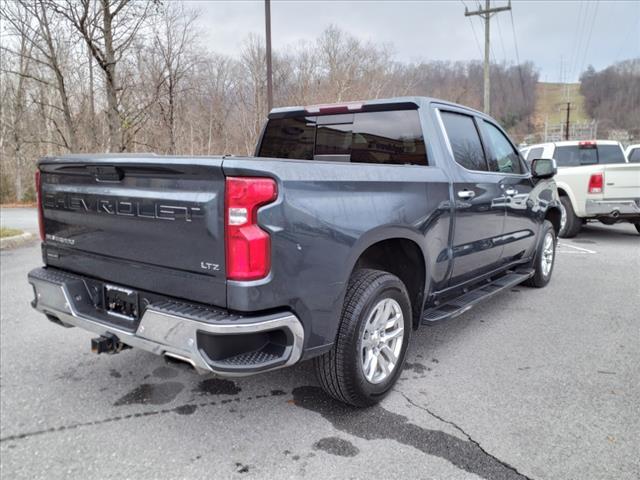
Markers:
267,19
566,131
486,14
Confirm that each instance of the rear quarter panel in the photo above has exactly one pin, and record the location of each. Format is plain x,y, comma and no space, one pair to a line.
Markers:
326,215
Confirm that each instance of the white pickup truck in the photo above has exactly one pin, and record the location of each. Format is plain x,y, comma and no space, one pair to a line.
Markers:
595,182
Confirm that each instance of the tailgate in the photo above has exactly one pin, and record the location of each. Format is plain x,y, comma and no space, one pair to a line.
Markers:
150,222
622,181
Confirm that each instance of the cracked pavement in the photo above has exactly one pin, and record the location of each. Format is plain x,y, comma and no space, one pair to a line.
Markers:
539,384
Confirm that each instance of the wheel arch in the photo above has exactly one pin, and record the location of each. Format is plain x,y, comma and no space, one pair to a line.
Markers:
400,254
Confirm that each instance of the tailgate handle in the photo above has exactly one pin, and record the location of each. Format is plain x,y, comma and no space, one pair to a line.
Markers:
107,173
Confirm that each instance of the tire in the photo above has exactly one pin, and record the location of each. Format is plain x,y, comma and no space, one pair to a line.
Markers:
637,227
571,224
542,269
341,371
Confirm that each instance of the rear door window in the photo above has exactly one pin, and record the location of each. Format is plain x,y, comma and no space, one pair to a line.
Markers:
464,140
634,155
387,137
503,156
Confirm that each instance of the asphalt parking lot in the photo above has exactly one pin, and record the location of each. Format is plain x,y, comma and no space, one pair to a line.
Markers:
541,384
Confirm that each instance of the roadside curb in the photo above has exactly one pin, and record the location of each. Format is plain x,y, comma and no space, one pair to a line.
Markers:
16,241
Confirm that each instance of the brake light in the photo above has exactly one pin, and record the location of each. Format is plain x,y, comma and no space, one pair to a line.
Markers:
40,212
248,247
587,144
334,108
595,183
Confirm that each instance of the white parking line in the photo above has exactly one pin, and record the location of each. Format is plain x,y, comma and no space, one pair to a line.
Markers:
580,249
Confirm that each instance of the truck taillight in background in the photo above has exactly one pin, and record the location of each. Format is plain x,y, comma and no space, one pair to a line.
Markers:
40,213
248,247
595,183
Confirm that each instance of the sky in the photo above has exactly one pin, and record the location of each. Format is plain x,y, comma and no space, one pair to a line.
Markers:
561,37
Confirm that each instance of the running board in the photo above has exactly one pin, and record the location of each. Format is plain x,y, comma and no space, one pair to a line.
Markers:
464,302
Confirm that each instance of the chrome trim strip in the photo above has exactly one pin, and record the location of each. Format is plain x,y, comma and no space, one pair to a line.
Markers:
166,334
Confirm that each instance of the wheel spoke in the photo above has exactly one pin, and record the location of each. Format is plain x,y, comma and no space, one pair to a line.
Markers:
393,334
384,364
388,353
373,366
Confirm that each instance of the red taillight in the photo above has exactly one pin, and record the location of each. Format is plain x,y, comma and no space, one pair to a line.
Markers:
248,247
587,144
334,108
595,183
40,212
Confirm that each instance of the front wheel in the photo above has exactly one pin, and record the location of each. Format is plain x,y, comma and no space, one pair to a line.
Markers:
371,344
545,257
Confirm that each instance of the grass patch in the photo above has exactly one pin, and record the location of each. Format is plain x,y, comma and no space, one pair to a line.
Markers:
552,101
9,232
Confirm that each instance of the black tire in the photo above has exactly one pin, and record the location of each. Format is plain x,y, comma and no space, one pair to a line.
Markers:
637,227
340,370
540,278
573,223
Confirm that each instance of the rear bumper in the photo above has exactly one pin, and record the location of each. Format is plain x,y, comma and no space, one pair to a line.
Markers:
209,339
613,208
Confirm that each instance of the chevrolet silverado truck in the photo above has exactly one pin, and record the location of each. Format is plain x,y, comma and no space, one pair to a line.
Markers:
595,182
351,226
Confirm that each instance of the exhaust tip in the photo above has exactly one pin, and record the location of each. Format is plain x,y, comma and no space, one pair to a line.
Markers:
175,359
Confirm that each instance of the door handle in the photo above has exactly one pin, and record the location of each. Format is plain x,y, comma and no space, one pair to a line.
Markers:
510,192
466,194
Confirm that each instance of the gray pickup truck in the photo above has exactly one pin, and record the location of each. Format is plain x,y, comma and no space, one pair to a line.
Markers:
351,226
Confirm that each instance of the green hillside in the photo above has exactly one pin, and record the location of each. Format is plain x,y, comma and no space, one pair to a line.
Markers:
552,103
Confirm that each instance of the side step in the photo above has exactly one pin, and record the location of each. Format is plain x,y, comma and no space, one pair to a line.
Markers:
464,302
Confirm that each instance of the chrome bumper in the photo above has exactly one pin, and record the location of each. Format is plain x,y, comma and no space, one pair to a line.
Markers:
169,329
612,207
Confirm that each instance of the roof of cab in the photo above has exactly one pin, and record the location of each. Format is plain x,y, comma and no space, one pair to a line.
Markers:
360,105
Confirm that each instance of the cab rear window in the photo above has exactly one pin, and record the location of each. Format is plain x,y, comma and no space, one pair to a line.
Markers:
589,154
388,137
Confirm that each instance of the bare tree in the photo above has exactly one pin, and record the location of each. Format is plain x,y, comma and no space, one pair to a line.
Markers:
173,41
109,28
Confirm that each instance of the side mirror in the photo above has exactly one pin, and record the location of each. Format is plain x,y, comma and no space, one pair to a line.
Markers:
543,168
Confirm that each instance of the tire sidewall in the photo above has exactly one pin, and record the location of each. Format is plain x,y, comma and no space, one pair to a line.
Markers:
395,290
547,229
571,225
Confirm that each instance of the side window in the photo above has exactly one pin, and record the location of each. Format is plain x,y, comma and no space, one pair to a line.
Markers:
634,155
535,153
504,158
465,141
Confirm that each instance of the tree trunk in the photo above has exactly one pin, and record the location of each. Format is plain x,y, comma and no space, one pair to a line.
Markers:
116,143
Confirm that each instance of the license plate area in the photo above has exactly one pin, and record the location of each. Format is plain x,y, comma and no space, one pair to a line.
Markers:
121,302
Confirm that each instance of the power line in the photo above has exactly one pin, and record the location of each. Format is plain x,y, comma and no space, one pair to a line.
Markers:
473,29
586,48
515,44
575,45
486,15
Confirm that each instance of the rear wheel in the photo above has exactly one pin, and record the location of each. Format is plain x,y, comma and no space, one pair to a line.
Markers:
370,348
570,223
545,257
